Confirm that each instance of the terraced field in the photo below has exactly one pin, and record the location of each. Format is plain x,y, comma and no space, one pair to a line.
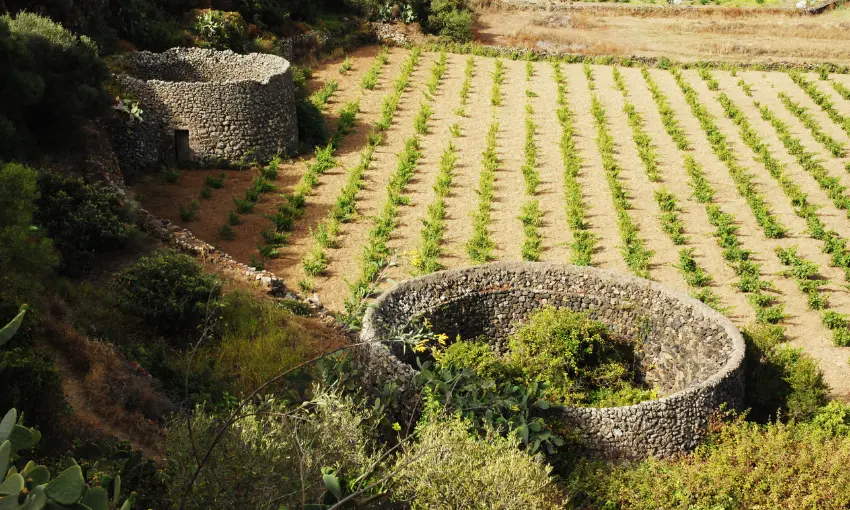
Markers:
729,186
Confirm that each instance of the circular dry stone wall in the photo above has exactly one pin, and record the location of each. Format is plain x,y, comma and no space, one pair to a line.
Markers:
213,105
691,354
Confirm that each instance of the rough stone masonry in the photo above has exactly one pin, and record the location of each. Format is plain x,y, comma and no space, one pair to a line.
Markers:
692,354
233,106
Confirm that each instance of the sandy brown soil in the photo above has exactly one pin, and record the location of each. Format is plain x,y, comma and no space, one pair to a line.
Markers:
463,200
640,189
420,191
554,231
597,196
710,35
803,325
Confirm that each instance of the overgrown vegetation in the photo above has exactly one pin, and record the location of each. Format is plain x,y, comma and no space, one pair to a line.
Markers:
52,84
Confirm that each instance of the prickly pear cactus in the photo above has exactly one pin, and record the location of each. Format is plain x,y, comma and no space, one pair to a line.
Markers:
33,488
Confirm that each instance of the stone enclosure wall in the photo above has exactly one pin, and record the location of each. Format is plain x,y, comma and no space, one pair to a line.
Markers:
233,106
691,354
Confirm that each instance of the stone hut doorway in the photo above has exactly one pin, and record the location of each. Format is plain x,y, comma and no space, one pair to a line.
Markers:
181,145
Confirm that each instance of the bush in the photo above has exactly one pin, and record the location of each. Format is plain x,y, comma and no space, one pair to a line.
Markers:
84,220
261,459
743,465
221,30
833,418
450,19
780,380
51,80
31,384
26,258
472,355
168,290
449,467
578,358
147,25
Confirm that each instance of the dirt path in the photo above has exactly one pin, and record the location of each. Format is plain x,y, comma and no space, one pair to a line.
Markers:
421,189
597,196
640,190
555,230
89,414
345,261
463,200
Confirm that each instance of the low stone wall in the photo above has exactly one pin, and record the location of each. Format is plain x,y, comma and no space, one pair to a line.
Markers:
234,106
692,354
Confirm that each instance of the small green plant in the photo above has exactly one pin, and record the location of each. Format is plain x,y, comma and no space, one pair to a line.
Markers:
171,175
215,182
226,232
190,212
583,240
480,246
233,219
206,192
421,120
454,130
346,65
320,97
243,205
498,80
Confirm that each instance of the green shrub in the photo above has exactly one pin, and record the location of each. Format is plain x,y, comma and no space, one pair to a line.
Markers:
147,25
168,290
221,30
26,258
312,131
51,80
472,355
334,433
743,465
31,384
451,19
833,418
84,220
580,360
449,467
780,380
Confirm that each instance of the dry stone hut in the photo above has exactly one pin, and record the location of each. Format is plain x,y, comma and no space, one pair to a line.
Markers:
206,106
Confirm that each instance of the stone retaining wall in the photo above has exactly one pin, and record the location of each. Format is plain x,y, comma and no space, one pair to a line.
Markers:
692,354
234,106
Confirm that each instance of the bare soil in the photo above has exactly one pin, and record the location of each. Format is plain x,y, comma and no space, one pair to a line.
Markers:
803,325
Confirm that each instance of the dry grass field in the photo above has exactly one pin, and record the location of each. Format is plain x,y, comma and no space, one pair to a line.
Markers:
722,33
730,187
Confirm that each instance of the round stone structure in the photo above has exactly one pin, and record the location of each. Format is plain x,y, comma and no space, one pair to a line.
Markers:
692,354
211,105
